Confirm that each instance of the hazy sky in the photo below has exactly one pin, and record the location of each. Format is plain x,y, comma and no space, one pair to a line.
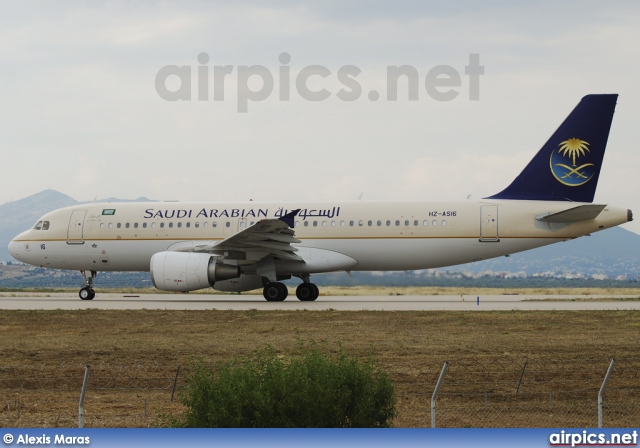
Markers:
80,112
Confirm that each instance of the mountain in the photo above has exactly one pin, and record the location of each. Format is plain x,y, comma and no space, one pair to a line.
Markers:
613,253
598,260
18,216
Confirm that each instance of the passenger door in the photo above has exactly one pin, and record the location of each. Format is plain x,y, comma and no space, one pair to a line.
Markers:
75,233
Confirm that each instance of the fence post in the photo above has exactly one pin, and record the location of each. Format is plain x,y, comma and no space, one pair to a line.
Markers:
521,376
604,385
81,405
435,394
175,383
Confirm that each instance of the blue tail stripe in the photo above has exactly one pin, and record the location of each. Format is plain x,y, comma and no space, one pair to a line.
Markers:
567,167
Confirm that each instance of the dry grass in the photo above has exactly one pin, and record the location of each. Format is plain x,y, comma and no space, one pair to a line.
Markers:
134,354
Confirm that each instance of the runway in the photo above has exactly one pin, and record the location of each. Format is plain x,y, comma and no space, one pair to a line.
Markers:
111,301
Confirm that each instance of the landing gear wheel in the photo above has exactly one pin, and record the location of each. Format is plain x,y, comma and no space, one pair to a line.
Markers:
87,293
275,292
307,292
316,291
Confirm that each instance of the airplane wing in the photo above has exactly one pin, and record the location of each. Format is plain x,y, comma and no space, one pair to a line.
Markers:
575,214
267,237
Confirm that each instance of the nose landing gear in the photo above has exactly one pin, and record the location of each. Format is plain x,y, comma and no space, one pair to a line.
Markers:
87,293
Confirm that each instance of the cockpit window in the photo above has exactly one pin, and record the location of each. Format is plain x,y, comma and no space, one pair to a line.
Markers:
41,225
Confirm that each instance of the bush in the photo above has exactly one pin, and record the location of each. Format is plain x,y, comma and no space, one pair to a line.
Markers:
314,390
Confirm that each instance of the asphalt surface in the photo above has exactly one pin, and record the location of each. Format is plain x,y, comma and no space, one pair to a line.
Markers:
70,301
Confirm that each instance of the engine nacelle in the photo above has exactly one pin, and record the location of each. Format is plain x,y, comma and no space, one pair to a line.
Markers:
188,271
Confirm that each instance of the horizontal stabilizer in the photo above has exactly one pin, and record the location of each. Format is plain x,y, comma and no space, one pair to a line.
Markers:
575,214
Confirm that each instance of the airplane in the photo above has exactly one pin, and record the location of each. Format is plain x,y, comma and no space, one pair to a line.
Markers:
248,246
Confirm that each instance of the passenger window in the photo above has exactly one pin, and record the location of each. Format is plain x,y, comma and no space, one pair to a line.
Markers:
102,225
342,223
444,222
188,225
379,223
388,223
162,225
351,223
360,223
435,223
227,224
171,225
153,225
135,225
214,224
196,225
111,225
242,224
45,225
406,223
425,223
144,225
126,225
306,223
315,223
297,223
324,223
333,223
415,223
397,223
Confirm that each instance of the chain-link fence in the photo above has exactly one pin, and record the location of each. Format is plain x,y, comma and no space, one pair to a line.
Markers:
117,395
513,392
501,392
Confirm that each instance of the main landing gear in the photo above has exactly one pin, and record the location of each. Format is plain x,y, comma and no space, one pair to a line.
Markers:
87,293
307,292
277,292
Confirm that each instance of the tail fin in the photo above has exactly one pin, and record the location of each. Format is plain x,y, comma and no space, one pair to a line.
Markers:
568,165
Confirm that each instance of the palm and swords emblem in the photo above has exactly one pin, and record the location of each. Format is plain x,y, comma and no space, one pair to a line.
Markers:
564,163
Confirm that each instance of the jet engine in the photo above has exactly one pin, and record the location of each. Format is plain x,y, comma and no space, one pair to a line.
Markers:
188,271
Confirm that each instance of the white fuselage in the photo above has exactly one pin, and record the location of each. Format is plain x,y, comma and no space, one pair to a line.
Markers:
379,236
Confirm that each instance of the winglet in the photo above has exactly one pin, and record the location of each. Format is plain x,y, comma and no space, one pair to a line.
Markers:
288,218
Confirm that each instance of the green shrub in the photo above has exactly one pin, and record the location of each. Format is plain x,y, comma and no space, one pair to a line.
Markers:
316,389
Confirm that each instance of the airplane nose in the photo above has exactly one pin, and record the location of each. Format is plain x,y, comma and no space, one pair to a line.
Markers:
15,249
